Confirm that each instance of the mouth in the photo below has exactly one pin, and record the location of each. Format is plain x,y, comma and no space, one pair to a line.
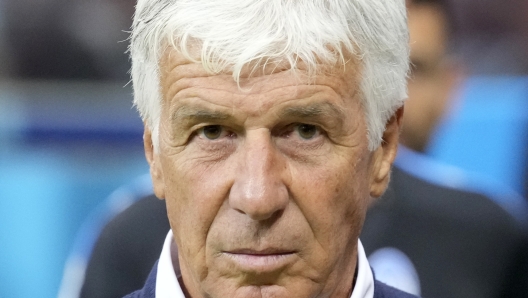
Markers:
260,261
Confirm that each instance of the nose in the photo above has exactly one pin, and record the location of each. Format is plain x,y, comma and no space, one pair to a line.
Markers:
258,190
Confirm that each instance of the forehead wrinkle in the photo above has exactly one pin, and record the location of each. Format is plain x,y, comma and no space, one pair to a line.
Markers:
186,75
182,76
190,74
196,82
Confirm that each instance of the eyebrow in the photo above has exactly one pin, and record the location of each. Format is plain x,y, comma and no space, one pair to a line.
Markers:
192,114
316,110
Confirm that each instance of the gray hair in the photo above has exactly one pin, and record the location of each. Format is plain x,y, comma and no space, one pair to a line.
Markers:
237,33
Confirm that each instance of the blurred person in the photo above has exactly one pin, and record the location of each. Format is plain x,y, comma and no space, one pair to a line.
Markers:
492,40
101,27
68,39
41,46
5,51
454,242
493,36
433,231
434,72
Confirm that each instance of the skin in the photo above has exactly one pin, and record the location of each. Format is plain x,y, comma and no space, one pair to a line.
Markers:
433,76
266,185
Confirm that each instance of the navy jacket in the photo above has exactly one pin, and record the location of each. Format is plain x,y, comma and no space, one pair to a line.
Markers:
381,290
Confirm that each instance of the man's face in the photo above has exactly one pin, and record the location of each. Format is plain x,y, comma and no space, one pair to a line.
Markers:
432,78
266,185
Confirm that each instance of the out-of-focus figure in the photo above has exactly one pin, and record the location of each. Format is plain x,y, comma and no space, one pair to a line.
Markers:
452,226
5,52
493,35
434,72
65,39
490,109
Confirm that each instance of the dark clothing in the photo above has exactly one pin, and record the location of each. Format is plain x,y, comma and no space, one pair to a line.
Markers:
149,290
381,290
462,244
126,250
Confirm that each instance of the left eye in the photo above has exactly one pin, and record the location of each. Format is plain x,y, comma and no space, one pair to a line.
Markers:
307,131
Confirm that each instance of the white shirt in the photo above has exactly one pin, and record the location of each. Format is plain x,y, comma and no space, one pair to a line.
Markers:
167,285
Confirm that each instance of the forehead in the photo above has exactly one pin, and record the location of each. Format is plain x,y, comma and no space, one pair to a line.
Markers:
179,75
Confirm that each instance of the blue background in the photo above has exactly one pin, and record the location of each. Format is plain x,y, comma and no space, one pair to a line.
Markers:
64,148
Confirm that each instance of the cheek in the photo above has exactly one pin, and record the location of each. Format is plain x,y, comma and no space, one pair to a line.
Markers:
333,198
195,191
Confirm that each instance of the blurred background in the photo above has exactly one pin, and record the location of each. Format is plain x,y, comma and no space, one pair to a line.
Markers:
69,135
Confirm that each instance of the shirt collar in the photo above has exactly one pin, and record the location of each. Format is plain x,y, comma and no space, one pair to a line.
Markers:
167,285
364,287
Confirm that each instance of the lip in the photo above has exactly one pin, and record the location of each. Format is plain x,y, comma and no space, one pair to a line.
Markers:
260,261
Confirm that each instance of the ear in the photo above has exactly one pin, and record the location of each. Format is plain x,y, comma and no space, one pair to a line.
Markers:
153,159
384,155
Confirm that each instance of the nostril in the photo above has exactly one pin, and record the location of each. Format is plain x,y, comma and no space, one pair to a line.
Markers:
266,217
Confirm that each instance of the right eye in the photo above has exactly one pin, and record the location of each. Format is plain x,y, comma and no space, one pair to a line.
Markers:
213,132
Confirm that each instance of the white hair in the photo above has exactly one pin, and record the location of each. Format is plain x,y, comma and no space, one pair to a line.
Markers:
233,34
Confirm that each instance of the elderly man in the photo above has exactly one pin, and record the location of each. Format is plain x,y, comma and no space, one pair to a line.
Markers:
269,128
459,242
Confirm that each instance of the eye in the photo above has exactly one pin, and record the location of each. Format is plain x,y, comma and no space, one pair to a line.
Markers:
307,131
213,132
